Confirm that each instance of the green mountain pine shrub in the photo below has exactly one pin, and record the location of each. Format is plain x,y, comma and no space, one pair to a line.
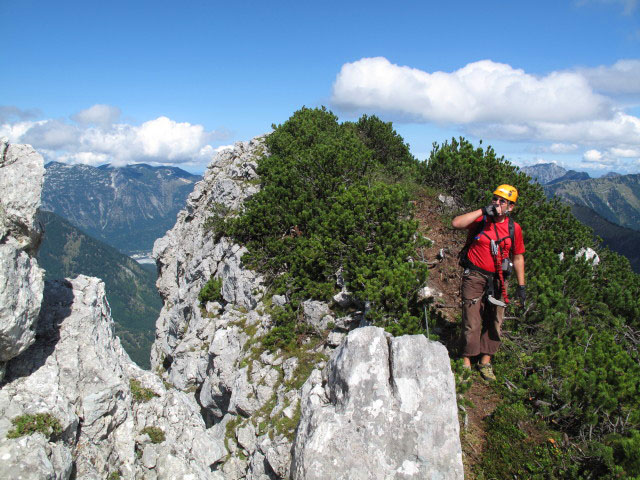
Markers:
574,349
211,291
326,203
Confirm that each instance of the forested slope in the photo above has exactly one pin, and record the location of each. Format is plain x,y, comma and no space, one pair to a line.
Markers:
622,240
135,303
616,198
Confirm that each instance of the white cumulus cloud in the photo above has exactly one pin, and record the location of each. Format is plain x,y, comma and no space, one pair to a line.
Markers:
626,152
93,139
600,160
98,114
592,156
622,129
567,110
563,148
623,77
483,91
165,138
15,131
85,158
51,134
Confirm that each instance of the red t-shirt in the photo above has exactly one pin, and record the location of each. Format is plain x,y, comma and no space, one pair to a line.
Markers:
480,250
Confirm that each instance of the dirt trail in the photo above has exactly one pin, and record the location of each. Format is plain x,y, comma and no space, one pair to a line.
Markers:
445,276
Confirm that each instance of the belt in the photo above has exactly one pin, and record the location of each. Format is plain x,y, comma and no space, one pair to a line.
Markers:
471,266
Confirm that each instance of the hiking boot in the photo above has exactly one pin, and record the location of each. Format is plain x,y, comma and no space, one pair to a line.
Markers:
487,372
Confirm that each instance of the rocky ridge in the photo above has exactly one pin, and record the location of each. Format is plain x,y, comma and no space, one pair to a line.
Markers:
218,404
254,395
70,369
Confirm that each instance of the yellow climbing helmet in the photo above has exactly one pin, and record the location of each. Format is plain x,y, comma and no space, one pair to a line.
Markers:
507,192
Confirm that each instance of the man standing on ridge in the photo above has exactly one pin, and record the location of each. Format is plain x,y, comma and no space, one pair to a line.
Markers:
494,247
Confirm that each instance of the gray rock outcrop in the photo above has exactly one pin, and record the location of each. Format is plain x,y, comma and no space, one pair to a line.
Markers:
21,177
78,372
215,349
250,396
101,414
383,408
188,256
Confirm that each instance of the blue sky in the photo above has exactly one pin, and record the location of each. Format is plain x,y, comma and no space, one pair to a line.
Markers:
170,83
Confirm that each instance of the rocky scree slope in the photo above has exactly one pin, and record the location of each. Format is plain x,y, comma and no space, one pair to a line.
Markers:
392,400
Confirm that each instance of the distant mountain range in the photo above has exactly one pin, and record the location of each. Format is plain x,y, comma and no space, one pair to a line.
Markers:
135,304
544,173
616,198
550,173
610,205
125,207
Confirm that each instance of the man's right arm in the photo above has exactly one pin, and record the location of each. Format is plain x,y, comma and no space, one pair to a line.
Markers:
463,221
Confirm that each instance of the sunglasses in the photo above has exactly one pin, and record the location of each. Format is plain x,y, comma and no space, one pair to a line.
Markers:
500,200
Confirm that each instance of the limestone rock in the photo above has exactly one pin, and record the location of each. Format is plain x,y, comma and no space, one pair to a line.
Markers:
33,457
78,372
447,201
188,256
589,254
22,281
392,401
426,293
316,314
21,185
208,349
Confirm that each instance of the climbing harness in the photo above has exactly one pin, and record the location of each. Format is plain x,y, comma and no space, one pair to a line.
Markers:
496,253
464,262
503,265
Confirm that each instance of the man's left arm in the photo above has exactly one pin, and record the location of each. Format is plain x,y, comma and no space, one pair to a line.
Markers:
518,266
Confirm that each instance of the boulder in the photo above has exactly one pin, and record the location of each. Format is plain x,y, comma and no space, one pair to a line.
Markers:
589,254
447,201
392,401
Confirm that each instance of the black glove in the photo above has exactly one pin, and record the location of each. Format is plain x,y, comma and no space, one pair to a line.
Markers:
521,292
489,210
